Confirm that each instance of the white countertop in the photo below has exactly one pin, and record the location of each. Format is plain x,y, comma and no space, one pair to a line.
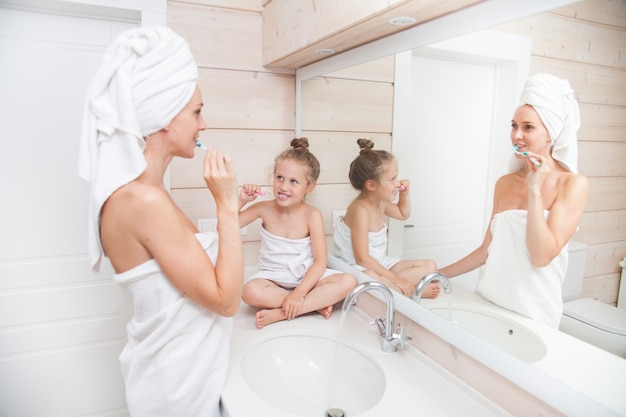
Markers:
597,374
414,383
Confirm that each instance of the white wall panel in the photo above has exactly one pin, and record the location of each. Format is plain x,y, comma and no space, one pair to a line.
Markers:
62,326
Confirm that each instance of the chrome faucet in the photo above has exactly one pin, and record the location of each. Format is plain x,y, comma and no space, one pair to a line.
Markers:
432,276
391,341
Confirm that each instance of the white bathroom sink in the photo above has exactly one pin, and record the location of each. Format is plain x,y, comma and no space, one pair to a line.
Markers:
498,330
307,375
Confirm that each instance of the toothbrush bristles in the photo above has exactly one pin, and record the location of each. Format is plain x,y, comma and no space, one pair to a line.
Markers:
533,160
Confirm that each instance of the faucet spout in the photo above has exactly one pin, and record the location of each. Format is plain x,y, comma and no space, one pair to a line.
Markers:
391,341
428,278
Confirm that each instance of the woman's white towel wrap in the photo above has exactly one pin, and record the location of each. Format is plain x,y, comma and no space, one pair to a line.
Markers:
554,101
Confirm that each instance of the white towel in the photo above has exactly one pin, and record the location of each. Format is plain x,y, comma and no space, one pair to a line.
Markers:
554,101
509,279
377,246
285,261
146,78
176,358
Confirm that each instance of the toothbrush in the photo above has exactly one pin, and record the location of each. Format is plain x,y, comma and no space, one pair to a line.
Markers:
533,160
402,187
259,192
200,145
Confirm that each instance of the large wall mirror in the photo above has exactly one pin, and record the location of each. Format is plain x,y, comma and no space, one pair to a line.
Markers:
440,97
431,106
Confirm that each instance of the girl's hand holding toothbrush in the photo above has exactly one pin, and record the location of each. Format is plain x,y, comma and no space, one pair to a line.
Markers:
404,185
249,192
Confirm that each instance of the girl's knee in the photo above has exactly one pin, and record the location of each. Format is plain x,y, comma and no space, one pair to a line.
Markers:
348,282
431,265
250,293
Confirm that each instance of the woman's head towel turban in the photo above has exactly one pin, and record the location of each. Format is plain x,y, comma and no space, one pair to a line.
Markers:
554,101
147,77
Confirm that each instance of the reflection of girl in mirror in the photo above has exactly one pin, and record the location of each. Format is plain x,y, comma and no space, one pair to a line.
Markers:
536,210
361,235
292,277
143,110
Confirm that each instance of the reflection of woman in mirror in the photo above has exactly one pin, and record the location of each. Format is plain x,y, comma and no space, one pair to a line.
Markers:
536,210
361,236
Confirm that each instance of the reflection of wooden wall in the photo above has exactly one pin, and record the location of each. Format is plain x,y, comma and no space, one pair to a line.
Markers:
585,43
343,106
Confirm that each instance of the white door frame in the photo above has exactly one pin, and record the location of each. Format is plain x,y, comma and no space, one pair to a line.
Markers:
510,54
146,12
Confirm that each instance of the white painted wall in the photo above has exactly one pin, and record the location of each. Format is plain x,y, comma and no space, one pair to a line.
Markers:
61,326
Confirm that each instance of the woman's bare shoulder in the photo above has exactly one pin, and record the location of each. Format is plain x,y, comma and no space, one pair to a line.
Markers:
136,201
139,193
572,179
509,178
574,184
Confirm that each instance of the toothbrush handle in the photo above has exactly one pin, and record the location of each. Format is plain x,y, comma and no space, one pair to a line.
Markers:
534,161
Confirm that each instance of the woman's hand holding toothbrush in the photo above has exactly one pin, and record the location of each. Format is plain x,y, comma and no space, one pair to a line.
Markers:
532,159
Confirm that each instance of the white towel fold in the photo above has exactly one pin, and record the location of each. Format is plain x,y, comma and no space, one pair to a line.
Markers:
509,279
554,101
285,261
146,78
377,246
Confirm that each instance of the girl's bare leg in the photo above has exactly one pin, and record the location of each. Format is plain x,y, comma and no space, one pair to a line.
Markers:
263,293
414,271
321,298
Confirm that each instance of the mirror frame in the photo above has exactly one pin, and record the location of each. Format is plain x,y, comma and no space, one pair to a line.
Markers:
472,19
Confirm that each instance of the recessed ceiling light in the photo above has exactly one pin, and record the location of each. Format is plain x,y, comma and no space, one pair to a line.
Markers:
324,51
402,20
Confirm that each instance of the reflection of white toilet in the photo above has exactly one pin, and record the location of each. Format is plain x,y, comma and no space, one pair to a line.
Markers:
587,319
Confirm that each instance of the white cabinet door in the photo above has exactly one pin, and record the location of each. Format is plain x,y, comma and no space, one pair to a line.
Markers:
61,326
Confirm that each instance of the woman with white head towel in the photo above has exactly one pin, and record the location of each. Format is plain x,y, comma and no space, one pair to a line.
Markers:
144,108
536,210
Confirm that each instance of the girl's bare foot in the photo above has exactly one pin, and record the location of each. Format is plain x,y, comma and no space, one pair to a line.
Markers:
326,311
265,317
432,290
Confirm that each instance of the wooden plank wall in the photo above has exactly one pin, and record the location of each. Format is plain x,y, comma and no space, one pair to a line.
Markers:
586,44
249,110
337,109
